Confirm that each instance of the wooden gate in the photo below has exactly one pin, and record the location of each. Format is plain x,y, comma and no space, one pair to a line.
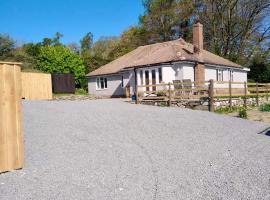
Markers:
11,132
63,83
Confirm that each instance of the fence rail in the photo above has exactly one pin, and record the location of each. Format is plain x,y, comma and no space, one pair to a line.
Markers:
211,90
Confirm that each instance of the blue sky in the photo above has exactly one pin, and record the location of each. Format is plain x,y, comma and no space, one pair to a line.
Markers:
32,20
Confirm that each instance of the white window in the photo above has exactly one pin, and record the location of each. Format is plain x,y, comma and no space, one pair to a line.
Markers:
219,75
101,83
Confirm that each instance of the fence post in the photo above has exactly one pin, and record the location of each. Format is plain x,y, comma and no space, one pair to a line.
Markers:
170,96
211,96
137,95
267,92
230,93
245,98
257,94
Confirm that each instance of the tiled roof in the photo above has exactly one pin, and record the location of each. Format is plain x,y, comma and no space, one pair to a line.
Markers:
176,50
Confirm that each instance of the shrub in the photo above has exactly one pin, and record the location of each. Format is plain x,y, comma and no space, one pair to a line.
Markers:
81,92
161,93
243,113
59,59
265,107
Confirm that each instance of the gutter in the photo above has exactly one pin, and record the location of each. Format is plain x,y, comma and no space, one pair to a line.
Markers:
169,63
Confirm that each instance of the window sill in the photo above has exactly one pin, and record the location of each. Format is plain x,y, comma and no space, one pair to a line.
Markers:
101,89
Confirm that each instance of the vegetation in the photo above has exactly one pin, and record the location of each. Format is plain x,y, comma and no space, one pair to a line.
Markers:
265,107
243,113
81,92
56,59
237,30
227,109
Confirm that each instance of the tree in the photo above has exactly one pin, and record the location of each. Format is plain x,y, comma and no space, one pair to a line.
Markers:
74,47
232,25
59,59
87,42
52,41
103,47
260,66
129,40
7,45
167,19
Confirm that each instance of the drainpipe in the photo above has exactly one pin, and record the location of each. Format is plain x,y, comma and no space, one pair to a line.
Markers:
136,86
195,63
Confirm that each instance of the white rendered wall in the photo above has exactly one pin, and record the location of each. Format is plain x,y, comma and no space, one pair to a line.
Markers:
114,87
238,76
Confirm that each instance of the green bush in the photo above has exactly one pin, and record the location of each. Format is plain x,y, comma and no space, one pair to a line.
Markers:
243,113
81,92
265,107
59,59
161,93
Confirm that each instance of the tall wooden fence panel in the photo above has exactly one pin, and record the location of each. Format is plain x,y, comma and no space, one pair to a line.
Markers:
11,132
63,83
36,86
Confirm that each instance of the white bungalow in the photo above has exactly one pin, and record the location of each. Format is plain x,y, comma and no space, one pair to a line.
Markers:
163,62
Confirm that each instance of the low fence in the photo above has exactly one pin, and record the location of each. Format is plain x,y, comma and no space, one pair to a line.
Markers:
36,86
11,131
210,91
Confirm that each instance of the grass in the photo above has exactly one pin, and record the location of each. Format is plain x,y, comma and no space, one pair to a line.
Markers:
78,91
81,92
227,109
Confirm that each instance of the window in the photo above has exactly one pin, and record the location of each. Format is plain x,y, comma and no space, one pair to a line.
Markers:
160,74
141,77
219,75
101,83
122,81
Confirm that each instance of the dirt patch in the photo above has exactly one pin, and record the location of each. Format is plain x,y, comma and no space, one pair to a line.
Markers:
255,115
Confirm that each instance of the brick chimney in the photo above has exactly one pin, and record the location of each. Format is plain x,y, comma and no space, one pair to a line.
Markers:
198,36
198,47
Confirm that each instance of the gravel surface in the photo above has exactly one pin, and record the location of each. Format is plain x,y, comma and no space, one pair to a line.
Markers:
109,149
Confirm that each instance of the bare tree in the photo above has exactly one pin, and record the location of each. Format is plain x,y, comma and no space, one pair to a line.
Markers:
231,26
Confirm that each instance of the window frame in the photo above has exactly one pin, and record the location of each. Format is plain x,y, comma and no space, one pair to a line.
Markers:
220,75
101,81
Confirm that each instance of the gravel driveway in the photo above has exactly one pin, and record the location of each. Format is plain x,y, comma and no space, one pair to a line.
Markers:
109,149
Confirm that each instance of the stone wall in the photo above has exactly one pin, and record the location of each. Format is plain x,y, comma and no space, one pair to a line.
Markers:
219,103
203,103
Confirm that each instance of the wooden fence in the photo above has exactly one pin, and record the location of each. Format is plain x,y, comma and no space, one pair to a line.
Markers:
63,83
36,86
11,132
211,90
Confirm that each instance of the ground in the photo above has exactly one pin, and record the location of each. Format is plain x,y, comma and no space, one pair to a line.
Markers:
255,114
109,149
